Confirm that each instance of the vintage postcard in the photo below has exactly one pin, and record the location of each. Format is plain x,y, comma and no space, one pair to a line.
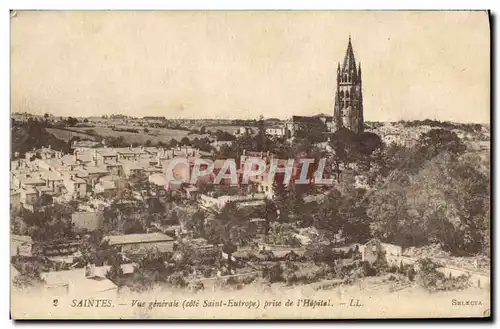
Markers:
250,164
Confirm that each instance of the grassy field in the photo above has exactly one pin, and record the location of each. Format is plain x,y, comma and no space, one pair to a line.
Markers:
65,134
155,135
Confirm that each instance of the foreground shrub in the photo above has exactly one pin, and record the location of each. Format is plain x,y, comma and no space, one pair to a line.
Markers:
433,280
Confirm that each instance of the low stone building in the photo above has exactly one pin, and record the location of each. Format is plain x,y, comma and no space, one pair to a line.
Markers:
139,243
374,249
21,245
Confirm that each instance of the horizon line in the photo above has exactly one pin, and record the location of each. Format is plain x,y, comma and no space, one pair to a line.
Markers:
244,119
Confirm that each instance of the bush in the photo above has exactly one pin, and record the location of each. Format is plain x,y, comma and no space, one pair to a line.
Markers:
237,282
282,234
368,269
319,253
433,280
292,274
178,280
196,286
207,272
393,269
266,255
273,274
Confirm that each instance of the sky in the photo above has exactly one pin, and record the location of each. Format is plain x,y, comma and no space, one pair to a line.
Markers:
240,64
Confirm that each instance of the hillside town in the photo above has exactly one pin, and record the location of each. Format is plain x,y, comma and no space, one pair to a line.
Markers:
408,202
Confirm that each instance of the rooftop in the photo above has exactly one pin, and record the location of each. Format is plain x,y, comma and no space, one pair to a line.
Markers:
96,170
21,238
138,238
78,281
51,175
132,165
106,185
106,152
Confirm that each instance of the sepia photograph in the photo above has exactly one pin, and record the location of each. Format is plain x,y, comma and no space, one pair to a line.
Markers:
250,164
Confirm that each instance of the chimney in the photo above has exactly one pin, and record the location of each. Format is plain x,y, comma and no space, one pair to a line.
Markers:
261,154
268,153
244,152
130,147
50,147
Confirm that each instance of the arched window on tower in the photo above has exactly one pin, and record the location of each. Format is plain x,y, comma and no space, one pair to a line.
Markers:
347,103
347,94
341,94
345,77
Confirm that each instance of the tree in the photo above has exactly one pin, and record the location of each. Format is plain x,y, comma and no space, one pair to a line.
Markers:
387,208
356,223
70,121
185,141
327,218
367,146
296,199
173,143
343,143
221,135
114,273
440,140
229,228
453,198
270,213
28,279
202,144
197,223
282,200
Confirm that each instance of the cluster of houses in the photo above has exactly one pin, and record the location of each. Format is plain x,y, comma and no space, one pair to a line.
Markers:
86,172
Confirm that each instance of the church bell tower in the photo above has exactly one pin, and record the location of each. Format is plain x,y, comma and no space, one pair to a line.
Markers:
348,109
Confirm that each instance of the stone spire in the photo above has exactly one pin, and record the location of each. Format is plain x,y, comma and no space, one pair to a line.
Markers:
348,101
349,60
